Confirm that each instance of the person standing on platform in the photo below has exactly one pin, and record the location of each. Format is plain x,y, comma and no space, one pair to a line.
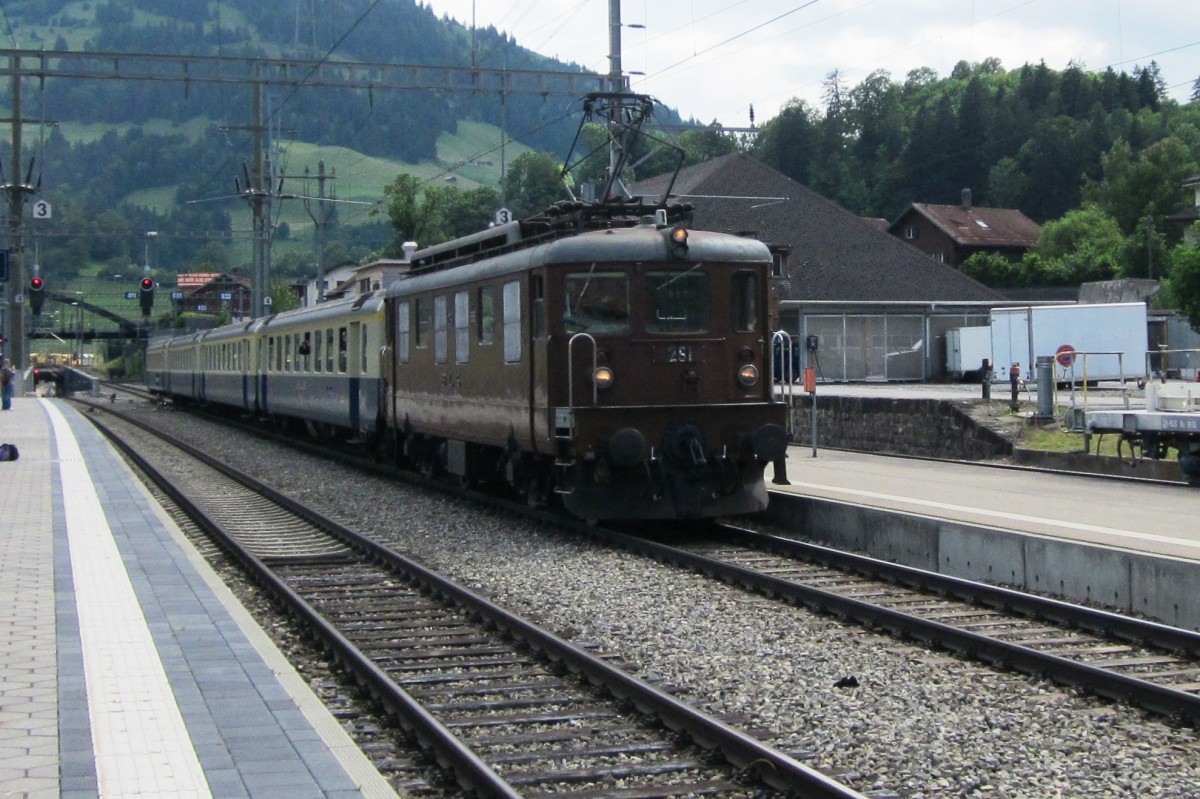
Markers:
8,378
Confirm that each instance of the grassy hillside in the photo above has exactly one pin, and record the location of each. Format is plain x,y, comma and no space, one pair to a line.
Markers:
471,156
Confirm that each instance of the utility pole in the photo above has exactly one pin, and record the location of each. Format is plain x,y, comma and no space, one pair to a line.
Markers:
617,83
258,193
17,192
320,218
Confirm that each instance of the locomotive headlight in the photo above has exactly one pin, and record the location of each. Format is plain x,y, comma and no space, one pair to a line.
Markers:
679,242
603,377
748,375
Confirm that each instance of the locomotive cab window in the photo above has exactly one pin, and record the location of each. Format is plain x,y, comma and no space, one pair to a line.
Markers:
743,301
596,302
678,302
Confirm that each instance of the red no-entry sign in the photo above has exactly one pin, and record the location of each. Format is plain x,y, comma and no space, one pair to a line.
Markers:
1065,355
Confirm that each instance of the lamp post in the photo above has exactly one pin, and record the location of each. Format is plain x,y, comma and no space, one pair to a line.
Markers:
78,306
149,235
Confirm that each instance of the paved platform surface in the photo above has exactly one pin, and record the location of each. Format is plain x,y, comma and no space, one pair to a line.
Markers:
127,669
1142,517
1150,518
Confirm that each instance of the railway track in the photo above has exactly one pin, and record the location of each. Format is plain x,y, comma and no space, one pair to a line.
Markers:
505,707
1151,665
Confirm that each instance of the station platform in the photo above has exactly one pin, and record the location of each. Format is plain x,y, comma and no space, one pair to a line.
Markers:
1143,517
127,669
1130,546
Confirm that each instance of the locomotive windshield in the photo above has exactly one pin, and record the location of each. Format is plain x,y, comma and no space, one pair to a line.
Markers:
678,302
596,302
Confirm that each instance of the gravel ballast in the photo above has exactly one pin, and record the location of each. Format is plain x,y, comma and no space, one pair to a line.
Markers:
920,723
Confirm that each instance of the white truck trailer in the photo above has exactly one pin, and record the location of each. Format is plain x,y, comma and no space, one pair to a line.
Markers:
1109,340
966,350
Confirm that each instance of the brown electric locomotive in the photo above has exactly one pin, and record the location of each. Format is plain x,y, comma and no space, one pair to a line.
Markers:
613,359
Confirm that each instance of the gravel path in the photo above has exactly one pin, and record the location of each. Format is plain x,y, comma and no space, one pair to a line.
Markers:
919,723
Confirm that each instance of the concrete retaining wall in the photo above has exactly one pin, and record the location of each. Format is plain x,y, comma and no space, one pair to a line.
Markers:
924,428
943,429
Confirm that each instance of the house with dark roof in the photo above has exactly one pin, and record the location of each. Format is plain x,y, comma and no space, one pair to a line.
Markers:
879,308
953,233
212,292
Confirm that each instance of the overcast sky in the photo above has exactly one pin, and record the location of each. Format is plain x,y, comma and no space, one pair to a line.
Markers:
713,59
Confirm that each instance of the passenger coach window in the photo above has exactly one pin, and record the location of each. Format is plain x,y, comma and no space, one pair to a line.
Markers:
317,353
743,301
439,329
596,302
343,348
512,322
486,314
402,332
462,327
329,350
677,302
304,349
365,342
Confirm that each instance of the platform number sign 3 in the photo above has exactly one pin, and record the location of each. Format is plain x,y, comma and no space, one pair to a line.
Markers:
41,210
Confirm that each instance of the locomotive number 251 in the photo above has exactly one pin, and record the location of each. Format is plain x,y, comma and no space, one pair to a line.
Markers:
680,353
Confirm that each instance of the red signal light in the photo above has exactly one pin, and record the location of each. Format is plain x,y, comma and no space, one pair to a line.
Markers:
35,283
147,283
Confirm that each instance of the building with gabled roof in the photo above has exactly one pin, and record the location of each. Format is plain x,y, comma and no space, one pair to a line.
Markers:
212,292
878,307
953,233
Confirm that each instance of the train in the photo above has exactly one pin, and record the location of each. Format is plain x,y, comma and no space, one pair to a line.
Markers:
612,361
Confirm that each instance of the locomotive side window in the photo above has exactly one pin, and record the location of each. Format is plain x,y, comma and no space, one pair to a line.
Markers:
486,314
422,309
403,342
462,327
678,302
538,291
743,301
439,329
596,302
512,322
